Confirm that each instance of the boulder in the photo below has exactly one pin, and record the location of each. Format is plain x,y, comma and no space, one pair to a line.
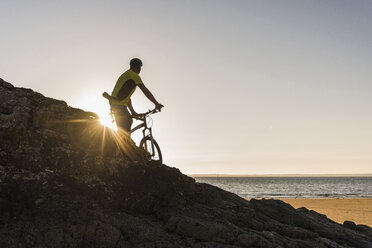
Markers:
62,186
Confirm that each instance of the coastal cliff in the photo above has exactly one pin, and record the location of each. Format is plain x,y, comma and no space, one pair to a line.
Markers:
59,188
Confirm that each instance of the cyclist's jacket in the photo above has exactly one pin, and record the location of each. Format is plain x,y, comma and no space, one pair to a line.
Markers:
125,87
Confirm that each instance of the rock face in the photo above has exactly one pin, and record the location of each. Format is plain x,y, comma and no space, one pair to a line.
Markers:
61,187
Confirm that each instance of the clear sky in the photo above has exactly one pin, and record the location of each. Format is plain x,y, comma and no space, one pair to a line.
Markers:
249,87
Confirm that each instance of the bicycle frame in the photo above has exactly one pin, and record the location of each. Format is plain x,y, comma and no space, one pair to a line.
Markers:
149,134
142,125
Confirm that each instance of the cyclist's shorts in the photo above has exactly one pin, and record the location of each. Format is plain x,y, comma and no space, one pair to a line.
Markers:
122,117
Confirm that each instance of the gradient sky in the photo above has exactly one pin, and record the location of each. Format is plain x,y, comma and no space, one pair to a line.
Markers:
249,87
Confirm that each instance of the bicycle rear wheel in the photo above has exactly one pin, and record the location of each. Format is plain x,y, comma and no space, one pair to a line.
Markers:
152,150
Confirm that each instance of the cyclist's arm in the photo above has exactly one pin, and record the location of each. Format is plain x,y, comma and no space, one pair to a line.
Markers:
150,96
130,106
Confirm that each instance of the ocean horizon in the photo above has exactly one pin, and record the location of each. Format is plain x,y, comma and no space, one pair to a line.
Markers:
282,175
265,186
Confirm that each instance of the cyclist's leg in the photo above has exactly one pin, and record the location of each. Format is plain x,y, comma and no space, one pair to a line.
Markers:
124,123
126,120
122,117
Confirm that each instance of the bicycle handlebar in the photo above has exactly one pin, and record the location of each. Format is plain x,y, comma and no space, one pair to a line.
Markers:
144,115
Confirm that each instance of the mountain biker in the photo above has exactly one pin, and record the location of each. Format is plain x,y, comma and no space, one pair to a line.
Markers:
124,88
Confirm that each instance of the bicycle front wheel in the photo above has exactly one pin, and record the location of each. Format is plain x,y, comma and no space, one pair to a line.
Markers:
152,150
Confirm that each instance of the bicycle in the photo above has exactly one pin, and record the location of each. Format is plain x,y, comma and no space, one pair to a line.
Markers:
148,144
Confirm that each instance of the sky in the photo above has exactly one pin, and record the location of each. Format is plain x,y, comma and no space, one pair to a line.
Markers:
249,87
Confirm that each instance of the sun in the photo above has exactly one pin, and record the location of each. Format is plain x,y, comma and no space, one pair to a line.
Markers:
106,120
94,103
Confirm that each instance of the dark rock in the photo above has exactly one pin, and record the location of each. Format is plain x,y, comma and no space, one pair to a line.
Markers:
6,85
251,239
365,229
350,224
60,187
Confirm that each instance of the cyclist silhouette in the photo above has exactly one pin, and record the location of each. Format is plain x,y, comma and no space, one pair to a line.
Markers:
124,88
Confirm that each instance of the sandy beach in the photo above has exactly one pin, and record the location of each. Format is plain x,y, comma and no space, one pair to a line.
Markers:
358,210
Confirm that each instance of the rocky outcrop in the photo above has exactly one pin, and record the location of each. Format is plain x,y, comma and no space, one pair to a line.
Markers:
62,186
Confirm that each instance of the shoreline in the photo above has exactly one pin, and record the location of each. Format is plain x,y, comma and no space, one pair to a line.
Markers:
358,210
280,175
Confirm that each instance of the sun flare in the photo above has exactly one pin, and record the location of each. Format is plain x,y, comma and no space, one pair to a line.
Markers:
100,106
106,120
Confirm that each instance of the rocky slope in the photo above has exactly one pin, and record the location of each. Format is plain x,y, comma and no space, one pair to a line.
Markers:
60,187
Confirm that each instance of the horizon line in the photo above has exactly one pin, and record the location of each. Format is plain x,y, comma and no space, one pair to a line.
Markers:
281,175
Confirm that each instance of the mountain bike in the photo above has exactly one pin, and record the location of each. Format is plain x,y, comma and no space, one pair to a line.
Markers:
148,144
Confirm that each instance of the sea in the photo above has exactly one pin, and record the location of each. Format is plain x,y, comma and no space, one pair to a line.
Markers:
294,187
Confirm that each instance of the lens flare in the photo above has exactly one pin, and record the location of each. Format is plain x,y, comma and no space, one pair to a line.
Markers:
107,121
